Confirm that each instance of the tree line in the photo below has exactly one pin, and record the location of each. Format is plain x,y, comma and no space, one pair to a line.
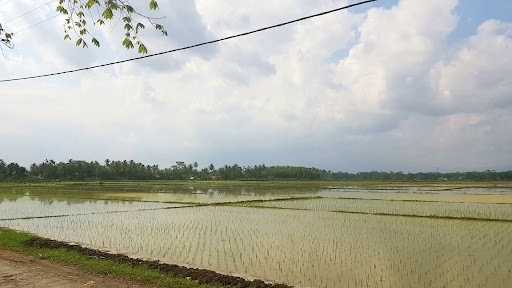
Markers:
131,170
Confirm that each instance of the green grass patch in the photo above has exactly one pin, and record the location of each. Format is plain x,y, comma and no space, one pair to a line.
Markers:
19,242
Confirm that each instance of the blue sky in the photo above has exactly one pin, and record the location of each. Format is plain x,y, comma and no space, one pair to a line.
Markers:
471,12
406,85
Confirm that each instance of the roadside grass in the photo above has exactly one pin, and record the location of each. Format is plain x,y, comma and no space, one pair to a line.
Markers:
18,242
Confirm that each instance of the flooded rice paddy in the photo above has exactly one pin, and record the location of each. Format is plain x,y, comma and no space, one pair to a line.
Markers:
330,236
403,208
27,207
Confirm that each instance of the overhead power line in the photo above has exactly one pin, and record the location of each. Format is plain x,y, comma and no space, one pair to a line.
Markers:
188,47
28,12
36,23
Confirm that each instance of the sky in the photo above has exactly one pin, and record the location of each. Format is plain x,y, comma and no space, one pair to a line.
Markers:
407,85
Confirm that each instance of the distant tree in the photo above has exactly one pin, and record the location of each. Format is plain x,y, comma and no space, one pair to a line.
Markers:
15,172
131,170
3,170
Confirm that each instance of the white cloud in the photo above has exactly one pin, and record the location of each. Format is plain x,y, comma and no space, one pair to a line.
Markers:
379,90
477,78
386,70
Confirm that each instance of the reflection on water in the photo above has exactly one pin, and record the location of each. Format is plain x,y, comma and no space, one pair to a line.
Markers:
214,192
25,206
178,192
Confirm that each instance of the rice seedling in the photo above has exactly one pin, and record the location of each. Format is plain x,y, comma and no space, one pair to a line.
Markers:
491,197
302,248
413,208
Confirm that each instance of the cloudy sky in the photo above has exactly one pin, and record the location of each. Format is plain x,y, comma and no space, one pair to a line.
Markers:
408,85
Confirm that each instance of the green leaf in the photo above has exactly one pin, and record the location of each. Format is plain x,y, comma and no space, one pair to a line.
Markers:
107,14
142,49
90,3
62,10
113,5
127,43
153,5
138,27
76,21
95,42
129,8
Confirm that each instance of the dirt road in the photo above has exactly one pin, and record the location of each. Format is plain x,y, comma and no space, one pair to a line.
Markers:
21,271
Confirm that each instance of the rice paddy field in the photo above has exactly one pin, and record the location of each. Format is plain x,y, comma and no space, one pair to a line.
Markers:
305,234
